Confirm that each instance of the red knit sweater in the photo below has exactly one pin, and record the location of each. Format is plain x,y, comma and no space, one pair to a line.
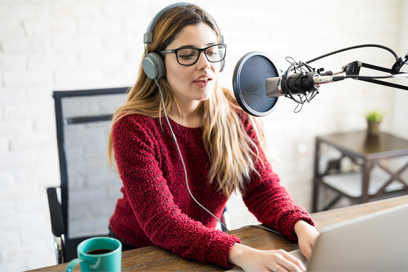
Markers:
156,208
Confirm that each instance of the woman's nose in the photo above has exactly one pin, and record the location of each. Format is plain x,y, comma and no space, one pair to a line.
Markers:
202,61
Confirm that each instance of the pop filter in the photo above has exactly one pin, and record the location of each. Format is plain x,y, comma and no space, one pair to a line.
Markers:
249,82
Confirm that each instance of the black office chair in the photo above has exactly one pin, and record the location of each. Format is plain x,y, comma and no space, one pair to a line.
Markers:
81,207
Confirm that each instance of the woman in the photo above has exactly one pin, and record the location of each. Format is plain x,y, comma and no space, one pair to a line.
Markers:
219,150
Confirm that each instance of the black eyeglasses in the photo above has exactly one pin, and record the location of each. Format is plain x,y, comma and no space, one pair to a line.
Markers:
189,55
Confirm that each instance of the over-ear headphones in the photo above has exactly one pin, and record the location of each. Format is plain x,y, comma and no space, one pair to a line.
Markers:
153,63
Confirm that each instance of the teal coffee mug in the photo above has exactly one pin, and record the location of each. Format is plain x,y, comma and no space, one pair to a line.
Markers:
98,254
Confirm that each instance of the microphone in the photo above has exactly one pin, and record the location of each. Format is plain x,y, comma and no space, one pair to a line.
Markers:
298,83
258,83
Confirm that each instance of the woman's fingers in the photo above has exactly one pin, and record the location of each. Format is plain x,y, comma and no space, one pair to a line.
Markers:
251,259
279,268
295,260
307,252
307,236
287,262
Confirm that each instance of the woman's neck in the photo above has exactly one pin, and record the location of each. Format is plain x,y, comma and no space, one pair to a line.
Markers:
188,116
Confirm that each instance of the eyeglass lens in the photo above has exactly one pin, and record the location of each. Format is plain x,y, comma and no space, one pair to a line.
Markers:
187,56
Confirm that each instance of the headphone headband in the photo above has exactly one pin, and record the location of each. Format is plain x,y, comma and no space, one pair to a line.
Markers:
148,36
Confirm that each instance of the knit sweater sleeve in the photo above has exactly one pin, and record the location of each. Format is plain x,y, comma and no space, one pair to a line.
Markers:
270,202
137,154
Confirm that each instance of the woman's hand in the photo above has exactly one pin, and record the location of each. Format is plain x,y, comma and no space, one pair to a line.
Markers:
307,235
251,259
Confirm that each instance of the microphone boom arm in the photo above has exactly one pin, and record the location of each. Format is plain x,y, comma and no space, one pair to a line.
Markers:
352,70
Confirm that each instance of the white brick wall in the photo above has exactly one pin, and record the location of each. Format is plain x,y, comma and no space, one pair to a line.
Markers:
49,45
400,109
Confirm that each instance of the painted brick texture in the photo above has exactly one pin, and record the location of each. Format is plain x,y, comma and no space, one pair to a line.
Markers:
50,45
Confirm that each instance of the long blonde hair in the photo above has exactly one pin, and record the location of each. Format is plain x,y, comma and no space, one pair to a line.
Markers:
232,153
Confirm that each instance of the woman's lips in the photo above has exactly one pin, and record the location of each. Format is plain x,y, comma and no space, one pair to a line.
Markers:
202,81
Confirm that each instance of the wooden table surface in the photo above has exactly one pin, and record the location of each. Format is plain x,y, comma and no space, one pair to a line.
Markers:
154,258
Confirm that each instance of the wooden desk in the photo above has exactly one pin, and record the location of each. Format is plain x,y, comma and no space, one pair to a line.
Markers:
366,151
153,258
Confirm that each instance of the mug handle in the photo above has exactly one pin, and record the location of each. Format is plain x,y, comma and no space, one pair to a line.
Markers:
73,263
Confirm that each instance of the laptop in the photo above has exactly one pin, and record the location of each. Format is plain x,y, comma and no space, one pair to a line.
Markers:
373,242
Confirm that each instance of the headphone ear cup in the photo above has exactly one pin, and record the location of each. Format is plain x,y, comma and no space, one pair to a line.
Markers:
153,66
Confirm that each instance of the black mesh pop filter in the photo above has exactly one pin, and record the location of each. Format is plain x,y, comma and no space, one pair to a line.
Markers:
249,81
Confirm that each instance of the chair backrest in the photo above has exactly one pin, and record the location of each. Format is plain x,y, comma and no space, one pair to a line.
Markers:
89,188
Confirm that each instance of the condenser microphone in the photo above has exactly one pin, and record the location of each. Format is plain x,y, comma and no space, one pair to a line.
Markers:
258,83
298,83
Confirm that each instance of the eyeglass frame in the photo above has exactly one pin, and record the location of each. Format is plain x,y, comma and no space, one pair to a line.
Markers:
199,53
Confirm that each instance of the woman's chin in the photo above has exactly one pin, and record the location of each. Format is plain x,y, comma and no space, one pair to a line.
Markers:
204,93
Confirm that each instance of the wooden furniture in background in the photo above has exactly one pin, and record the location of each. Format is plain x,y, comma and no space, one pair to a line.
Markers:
374,181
